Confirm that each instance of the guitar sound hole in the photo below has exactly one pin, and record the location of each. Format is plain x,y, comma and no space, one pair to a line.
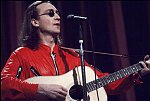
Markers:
76,92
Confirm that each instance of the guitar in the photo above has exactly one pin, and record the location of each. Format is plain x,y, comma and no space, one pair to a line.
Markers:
73,82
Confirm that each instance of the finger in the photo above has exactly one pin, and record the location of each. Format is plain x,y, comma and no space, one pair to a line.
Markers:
143,64
63,92
146,57
148,63
64,89
56,97
60,96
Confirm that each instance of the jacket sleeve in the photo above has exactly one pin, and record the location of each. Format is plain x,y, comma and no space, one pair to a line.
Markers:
119,85
13,85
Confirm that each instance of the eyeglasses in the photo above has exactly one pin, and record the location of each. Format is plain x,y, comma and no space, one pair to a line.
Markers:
51,13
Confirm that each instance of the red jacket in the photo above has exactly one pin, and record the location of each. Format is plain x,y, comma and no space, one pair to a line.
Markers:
25,63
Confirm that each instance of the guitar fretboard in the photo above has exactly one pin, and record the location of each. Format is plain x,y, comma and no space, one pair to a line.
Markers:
101,82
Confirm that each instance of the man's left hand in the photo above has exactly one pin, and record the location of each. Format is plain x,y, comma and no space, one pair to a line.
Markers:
146,66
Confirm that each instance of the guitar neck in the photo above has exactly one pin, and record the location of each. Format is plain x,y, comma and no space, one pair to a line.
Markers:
101,82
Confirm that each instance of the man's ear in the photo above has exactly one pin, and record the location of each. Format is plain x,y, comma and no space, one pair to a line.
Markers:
35,22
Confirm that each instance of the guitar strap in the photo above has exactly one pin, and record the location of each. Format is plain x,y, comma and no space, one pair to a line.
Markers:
64,59
75,77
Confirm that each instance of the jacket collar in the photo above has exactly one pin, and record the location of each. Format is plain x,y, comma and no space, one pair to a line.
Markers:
47,48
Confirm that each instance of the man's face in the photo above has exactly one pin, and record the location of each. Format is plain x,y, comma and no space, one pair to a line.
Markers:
48,20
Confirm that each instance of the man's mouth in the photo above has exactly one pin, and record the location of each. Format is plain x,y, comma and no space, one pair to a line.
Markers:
57,24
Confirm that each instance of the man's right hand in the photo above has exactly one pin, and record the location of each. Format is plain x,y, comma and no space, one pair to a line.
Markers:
52,91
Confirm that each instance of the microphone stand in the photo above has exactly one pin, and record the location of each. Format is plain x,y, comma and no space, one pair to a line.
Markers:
85,98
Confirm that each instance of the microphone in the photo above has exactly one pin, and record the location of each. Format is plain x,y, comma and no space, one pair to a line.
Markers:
71,16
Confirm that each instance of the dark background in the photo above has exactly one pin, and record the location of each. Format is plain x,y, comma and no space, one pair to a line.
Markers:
118,27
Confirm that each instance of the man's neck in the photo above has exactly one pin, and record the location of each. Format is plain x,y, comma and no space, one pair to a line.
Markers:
48,40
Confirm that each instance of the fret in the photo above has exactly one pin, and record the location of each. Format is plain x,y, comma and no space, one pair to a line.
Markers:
133,68
113,77
122,73
96,84
103,81
129,70
136,68
100,84
117,74
92,85
108,79
88,87
130,67
139,67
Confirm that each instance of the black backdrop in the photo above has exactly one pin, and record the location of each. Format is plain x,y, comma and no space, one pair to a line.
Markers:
119,27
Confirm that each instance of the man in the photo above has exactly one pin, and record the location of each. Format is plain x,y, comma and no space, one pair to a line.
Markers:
41,55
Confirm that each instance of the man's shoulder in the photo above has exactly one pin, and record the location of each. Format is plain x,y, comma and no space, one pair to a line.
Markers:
70,51
22,49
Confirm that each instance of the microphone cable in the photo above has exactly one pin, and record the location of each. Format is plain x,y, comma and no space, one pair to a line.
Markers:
93,55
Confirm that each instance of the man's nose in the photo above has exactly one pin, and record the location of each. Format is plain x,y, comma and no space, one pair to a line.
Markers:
57,17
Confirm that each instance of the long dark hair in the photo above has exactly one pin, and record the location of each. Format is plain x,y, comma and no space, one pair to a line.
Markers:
29,36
